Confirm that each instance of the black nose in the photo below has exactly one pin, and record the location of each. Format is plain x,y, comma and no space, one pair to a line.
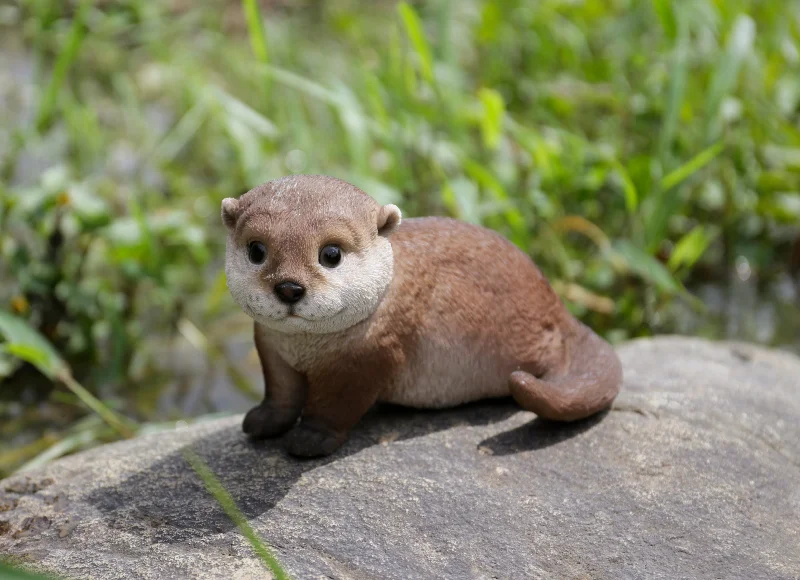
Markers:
289,292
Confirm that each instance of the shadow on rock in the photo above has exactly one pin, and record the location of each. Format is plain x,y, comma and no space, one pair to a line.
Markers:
168,503
538,434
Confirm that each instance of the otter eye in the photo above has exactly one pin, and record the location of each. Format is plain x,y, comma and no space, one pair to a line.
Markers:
330,256
256,252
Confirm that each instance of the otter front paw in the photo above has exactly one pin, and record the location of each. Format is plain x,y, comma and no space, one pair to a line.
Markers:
265,421
313,440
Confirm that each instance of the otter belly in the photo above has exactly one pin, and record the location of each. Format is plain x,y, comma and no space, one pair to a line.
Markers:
447,375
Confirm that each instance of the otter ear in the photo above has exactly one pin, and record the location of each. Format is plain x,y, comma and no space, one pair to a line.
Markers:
230,211
388,219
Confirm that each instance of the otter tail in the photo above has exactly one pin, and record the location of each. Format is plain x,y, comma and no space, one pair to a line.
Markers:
591,382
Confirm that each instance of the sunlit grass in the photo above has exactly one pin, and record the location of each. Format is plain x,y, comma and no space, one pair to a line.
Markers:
228,504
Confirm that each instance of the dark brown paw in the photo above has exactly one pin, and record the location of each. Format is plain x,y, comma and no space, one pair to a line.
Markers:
263,422
309,440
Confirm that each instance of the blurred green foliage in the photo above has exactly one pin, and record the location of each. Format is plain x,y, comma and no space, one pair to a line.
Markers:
9,572
633,148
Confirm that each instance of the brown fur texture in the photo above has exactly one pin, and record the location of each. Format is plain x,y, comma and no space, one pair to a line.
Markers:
430,312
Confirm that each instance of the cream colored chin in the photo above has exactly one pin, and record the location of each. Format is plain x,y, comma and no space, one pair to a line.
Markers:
298,324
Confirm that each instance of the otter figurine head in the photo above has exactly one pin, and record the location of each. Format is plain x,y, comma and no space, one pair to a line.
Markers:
308,254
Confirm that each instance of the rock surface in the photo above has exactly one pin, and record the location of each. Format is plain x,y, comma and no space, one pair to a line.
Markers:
694,474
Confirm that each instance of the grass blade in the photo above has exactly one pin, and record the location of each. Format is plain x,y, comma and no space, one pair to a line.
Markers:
183,131
300,83
646,266
228,504
13,455
255,29
109,416
63,63
254,120
739,45
66,445
692,166
416,35
679,72
628,187
690,248
667,17
666,203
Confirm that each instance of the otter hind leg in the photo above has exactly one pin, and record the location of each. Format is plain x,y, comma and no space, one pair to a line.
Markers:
590,384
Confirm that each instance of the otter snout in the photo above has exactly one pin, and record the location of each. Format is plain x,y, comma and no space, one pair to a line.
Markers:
289,292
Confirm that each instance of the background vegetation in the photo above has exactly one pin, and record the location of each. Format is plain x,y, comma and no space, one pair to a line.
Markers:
645,153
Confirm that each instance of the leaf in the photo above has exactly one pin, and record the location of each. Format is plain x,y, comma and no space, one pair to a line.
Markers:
494,109
690,248
28,354
416,34
646,266
25,342
692,166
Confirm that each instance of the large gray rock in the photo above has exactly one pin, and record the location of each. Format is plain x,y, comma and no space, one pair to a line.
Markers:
694,474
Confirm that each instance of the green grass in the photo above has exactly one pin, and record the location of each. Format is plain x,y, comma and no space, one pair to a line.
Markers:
11,572
228,504
635,149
